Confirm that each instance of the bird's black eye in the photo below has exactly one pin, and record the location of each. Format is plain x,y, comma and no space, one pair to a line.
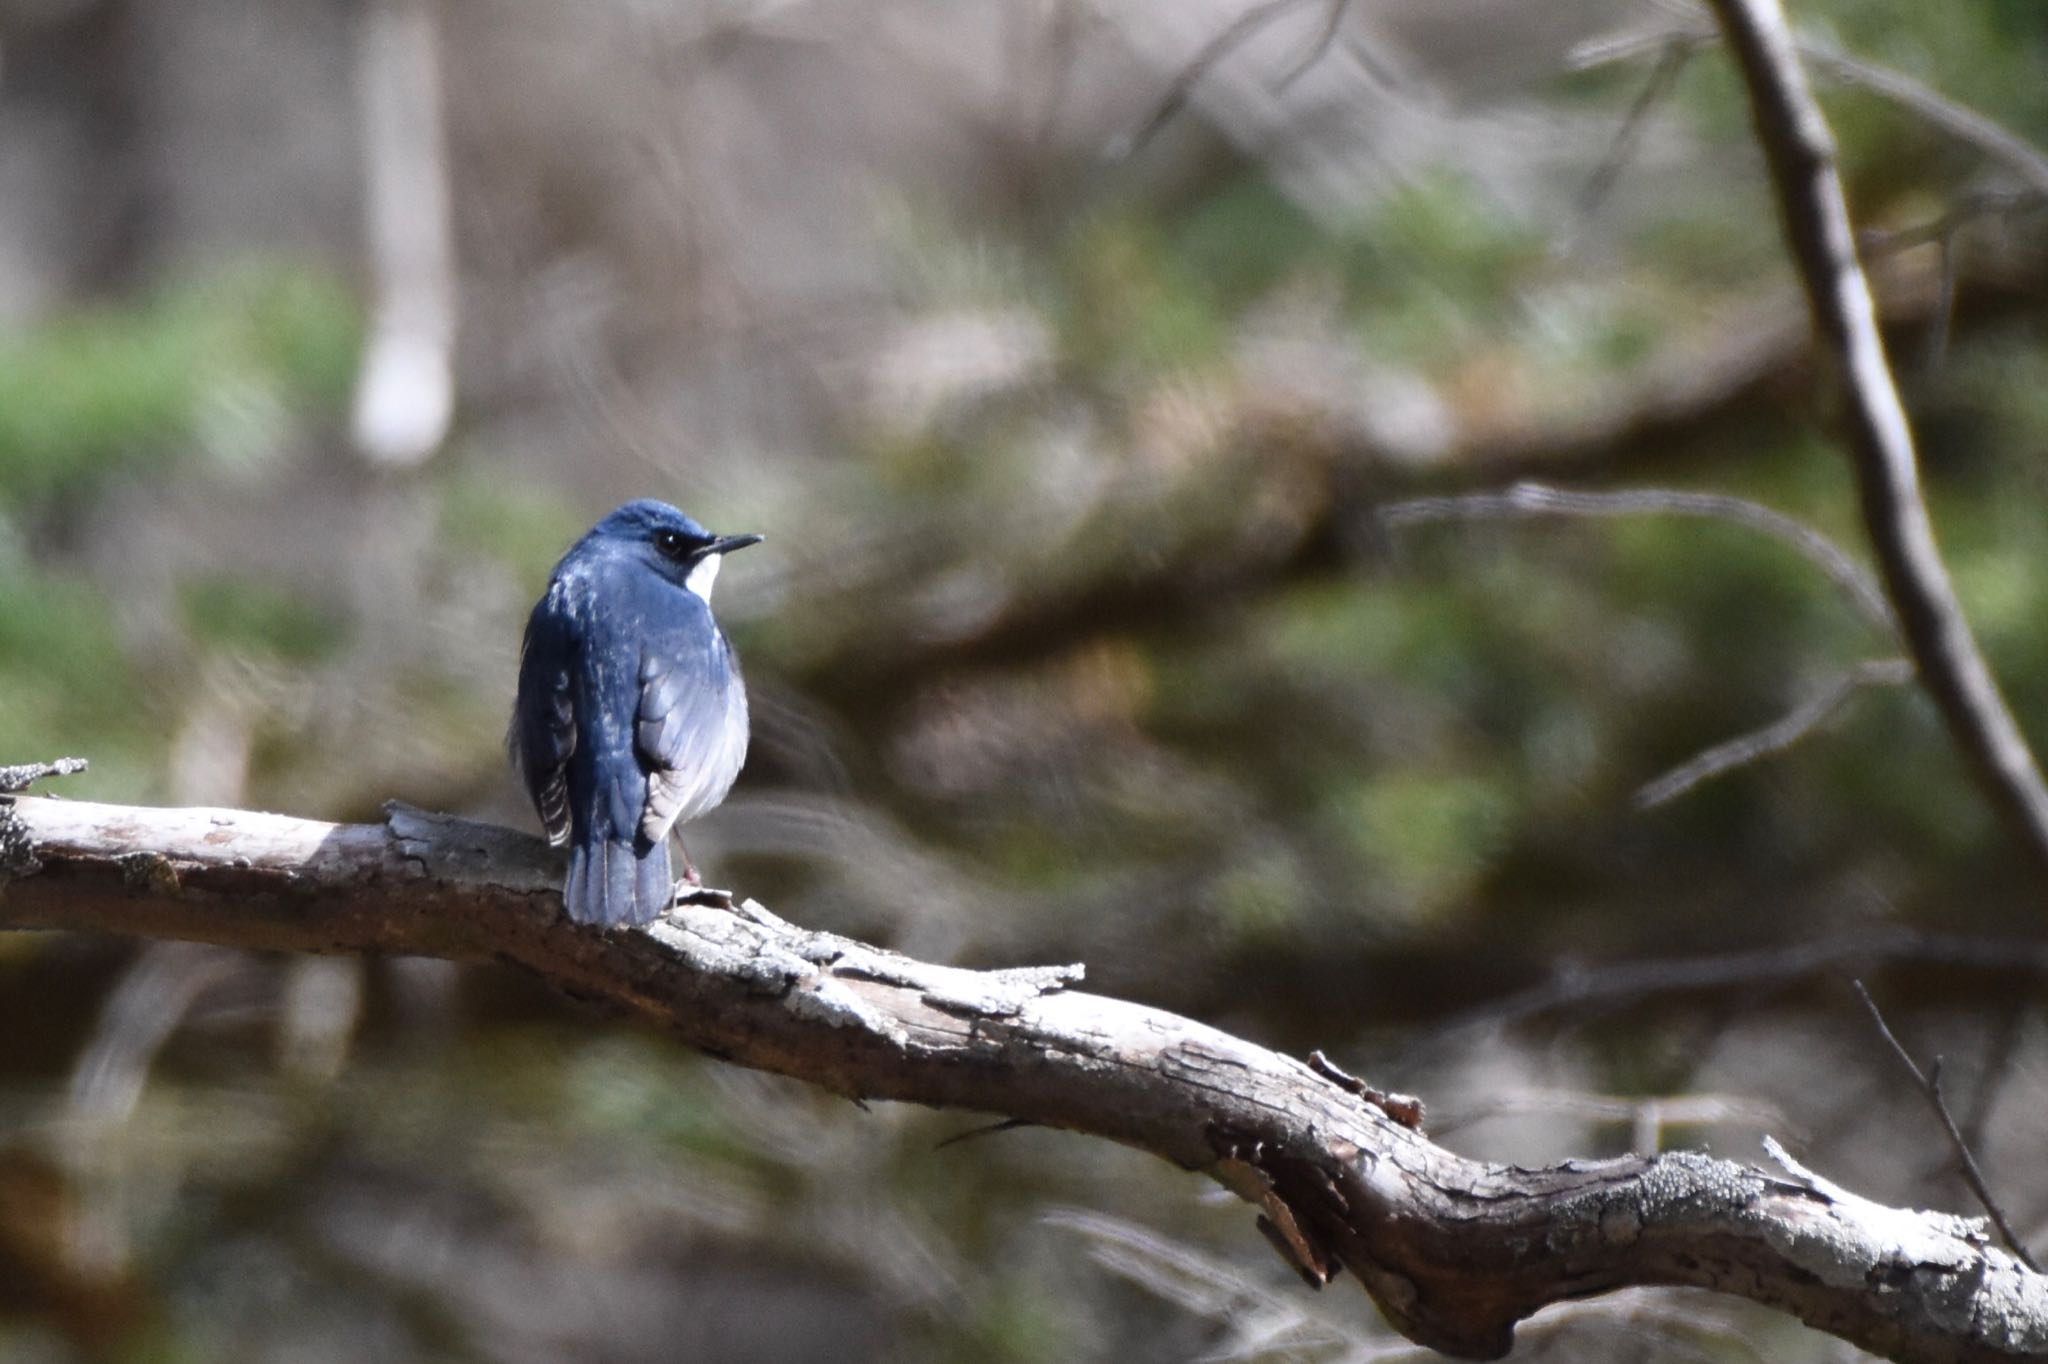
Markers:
672,544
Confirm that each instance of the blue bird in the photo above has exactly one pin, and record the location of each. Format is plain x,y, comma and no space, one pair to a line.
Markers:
631,716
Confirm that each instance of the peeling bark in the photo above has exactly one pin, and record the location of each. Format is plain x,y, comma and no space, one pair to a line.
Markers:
1454,1251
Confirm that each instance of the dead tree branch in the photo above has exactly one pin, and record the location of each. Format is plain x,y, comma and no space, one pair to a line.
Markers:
1454,1251
1801,155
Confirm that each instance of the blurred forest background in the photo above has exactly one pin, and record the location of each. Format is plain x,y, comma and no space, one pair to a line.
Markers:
1097,370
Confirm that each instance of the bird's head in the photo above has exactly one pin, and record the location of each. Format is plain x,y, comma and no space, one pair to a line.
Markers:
671,543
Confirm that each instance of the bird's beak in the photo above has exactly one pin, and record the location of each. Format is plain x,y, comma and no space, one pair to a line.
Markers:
726,544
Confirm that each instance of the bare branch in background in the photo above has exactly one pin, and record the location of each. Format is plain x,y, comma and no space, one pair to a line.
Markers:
1671,63
1951,116
1989,137
1646,1117
1929,1084
1945,232
1775,737
1698,396
1801,155
405,392
1240,31
1529,500
1454,1251
1967,211
1582,988
1958,120
1326,37
1674,46
1944,306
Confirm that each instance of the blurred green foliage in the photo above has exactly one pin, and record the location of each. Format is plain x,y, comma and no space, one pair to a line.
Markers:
214,362
231,365
519,527
1423,839
243,615
628,1089
69,686
1146,287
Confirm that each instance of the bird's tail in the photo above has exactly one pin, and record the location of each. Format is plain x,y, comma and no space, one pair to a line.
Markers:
614,882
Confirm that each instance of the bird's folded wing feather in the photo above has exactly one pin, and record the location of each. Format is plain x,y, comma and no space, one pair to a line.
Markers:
685,731
544,722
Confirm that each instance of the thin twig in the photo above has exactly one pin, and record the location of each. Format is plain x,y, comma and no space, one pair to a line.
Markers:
1611,48
1801,154
1952,117
1530,499
1929,1082
1236,34
1775,737
1944,306
21,776
1537,499
1320,48
1675,44
989,1129
1582,987
1965,212
1239,32
1405,1109
1648,1114
1945,233
1671,63
1956,119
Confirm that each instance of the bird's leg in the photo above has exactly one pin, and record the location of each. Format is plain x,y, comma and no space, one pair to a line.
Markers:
691,890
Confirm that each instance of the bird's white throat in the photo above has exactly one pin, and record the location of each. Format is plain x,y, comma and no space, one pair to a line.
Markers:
702,574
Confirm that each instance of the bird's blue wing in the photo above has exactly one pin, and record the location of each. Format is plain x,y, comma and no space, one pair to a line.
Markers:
691,730
578,701
543,733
